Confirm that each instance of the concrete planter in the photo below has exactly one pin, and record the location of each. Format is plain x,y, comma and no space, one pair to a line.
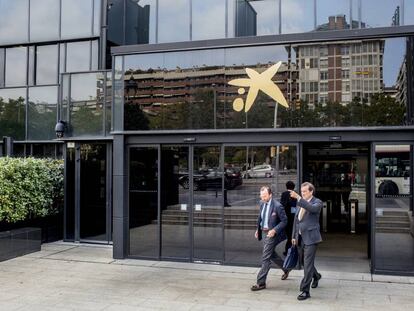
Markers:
19,242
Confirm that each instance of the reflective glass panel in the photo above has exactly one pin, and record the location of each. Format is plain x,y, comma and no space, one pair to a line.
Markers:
246,170
297,16
208,19
78,56
16,66
44,20
2,55
95,55
140,22
143,202
96,17
86,109
386,14
175,202
13,113
116,22
323,84
14,20
76,18
108,103
46,64
408,9
119,95
334,17
253,18
393,214
41,113
177,13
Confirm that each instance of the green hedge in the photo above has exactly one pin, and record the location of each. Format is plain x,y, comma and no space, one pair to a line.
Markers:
30,188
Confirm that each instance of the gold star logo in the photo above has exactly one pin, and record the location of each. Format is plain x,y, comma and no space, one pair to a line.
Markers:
258,82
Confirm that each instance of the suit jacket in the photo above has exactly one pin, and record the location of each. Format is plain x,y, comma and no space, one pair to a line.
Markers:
287,203
277,219
309,225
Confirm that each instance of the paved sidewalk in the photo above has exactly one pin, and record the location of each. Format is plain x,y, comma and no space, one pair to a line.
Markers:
65,276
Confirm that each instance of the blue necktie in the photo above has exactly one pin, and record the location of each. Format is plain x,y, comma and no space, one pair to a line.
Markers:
265,216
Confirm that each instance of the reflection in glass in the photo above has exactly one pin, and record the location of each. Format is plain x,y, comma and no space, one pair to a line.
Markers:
95,55
86,109
334,17
175,202
46,64
78,56
143,202
12,113
408,17
247,168
140,22
96,17
297,16
108,104
385,15
44,20
177,13
76,18
14,20
2,55
208,19
393,213
41,114
209,200
92,214
16,66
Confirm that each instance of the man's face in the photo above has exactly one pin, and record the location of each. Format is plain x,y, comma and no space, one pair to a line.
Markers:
264,195
306,194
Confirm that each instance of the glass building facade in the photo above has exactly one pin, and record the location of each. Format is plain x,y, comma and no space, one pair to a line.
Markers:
175,113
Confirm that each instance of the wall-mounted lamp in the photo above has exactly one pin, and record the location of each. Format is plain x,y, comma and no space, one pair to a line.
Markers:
60,128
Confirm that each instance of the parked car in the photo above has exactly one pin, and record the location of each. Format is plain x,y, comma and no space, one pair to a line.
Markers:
212,179
258,171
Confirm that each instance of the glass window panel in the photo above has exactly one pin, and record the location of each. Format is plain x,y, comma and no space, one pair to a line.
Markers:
140,22
14,20
393,214
44,20
31,69
297,16
251,18
62,58
78,56
108,103
208,19
64,109
13,113
408,10
2,59
374,15
95,55
96,17
177,13
42,107
334,17
46,64
86,108
76,18
143,202
119,94
116,22
16,66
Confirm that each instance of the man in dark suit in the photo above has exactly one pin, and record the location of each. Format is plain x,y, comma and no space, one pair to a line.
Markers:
271,223
290,209
306,234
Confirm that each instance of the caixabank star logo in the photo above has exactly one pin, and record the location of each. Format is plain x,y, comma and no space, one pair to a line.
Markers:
258,82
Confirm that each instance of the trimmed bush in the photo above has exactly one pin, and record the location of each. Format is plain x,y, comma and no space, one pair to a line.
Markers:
30,188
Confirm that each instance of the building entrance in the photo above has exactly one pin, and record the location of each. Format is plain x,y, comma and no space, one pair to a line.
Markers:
340,173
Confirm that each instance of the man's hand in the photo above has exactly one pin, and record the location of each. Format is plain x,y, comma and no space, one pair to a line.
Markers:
271,233
294,195
256,234
293,242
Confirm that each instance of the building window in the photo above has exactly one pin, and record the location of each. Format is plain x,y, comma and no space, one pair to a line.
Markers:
16,66
14,21
76,19
44,20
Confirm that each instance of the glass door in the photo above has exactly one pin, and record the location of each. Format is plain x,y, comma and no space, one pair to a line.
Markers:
393,208
191,203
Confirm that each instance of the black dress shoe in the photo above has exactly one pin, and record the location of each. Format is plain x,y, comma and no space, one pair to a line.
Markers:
285,275
257,287
315,281
303,295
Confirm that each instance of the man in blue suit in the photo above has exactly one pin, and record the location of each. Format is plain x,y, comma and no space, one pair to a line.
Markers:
271,225
306,234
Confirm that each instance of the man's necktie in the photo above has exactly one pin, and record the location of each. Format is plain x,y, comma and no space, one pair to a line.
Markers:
265,215
301,213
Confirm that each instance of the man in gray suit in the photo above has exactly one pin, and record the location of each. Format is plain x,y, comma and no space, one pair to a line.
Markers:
306,234
271,223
